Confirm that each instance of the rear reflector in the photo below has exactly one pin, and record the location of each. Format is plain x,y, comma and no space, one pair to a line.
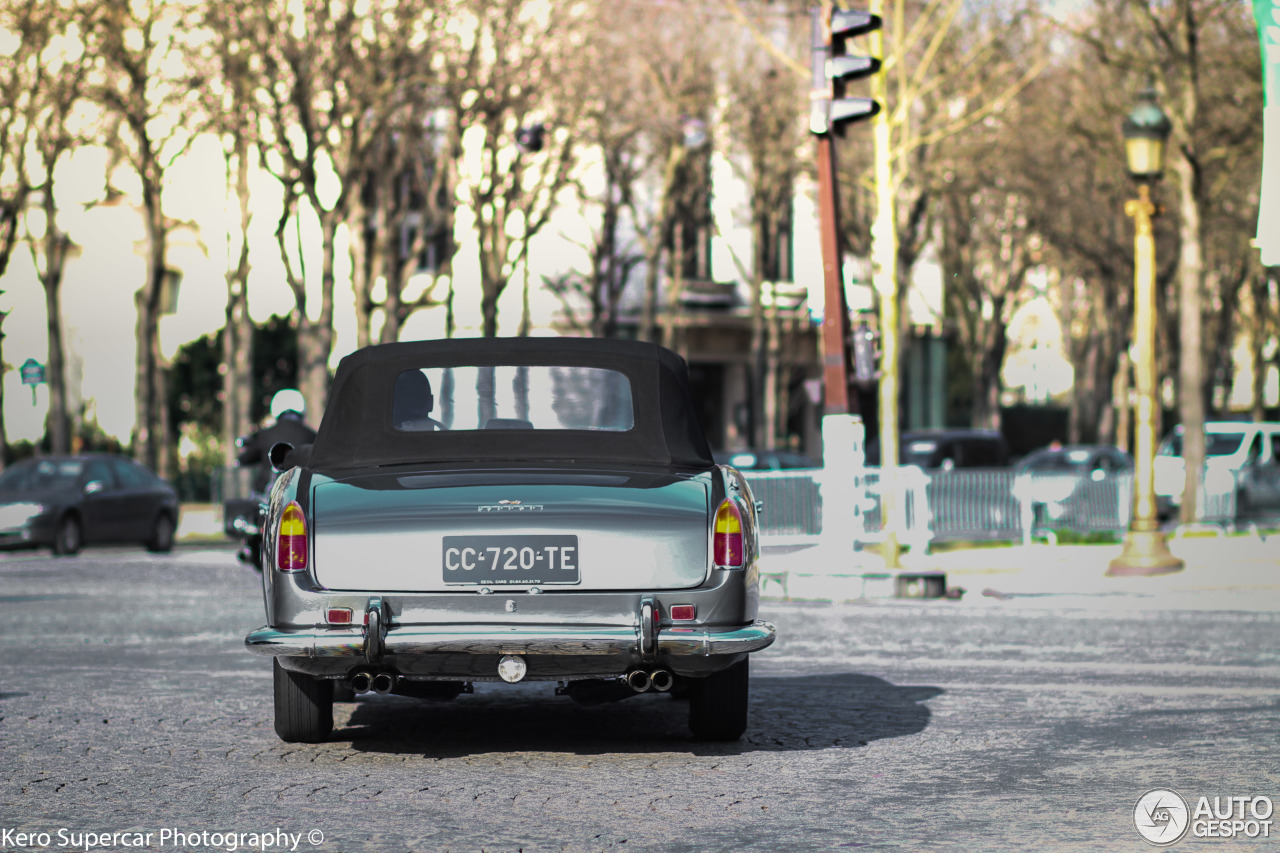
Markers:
291,542
339,616
683,612
726,541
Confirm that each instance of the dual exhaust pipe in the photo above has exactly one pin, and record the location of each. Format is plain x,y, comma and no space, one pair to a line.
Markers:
641,681
377,682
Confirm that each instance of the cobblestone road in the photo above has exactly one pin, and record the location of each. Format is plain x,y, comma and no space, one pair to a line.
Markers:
127,703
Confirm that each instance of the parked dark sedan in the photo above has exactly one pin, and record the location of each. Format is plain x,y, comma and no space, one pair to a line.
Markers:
67,502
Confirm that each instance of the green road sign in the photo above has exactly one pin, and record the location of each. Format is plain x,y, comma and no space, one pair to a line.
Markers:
32,372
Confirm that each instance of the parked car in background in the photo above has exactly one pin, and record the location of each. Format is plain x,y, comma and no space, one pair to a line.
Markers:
1079,485
1240,457
764,460
510,510
946,449
67,502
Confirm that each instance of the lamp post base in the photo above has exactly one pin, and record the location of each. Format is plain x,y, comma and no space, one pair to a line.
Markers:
1145,553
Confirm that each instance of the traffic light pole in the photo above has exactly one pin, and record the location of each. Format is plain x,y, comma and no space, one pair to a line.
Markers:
835,314
843,433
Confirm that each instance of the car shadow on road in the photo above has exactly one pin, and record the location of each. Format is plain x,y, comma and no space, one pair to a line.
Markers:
839,710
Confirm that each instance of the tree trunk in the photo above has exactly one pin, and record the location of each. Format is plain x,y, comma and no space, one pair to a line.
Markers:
1257,342
237,333
55,252
364,248
494,247
1190,343
986,380
1124,411
149,445
761,425
315,337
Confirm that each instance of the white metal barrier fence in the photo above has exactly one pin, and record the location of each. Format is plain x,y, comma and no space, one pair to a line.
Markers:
962,505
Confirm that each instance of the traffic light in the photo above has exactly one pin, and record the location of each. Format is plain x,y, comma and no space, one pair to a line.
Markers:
832,67
866,356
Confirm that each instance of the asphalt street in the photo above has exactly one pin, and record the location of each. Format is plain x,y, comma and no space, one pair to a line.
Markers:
1028,720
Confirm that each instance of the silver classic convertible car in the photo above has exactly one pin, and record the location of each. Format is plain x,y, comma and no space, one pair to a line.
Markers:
508,511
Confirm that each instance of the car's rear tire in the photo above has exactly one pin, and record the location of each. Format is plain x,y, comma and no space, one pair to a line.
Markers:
304,706
161,541
68,537
718,703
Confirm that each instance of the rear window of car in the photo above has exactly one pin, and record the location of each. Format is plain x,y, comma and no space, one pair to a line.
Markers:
1216,444
513,398
1068,460
42,474
919,453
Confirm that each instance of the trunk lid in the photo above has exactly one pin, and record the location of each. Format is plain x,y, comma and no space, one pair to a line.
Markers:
435,531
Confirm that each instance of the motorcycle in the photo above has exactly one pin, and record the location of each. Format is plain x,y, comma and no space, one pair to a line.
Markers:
242,519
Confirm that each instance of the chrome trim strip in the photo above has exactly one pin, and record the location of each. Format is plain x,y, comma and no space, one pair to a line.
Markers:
531,639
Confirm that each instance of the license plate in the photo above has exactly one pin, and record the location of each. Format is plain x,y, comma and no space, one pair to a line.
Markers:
496,560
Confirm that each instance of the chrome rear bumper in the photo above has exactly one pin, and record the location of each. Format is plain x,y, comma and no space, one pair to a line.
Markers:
504,640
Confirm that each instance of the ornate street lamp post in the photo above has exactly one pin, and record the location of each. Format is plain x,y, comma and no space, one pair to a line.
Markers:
1146,130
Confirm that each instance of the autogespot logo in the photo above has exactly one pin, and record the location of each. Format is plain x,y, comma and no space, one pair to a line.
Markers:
1161,816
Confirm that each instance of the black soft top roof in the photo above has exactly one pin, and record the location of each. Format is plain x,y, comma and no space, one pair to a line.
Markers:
357,430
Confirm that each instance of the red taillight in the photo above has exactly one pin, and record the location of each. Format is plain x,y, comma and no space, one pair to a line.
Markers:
291,542
726,543
683,612
339,616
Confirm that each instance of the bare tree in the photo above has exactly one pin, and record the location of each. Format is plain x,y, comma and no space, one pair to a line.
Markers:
678,69
325,103
144,86
1061,148
23,80
406,216
1167,39
23,77
404,206
606,185
987,253
510,69
233,67
55,137
1063,151
939,80
767,124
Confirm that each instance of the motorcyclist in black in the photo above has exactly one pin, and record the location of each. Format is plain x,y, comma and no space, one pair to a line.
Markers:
287,408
